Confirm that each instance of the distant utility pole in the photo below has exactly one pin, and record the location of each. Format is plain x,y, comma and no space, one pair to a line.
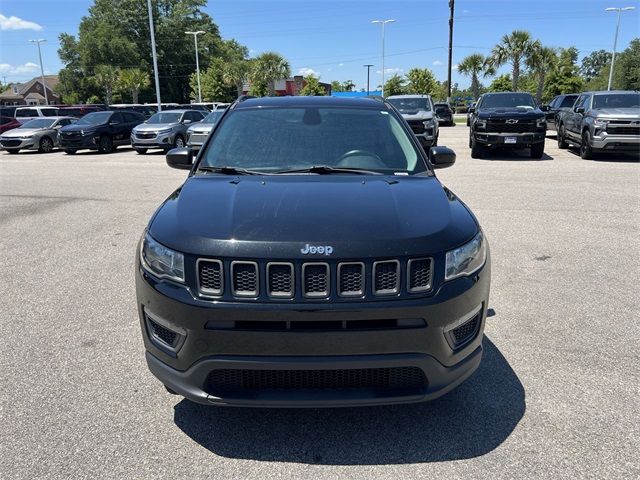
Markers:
451,9
195,39
153,53
383,23
44,85
615,40
368,65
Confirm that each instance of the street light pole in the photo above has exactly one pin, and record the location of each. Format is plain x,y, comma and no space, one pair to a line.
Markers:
153,53
195,39
451,7
368,65
44,85
383,23
615,40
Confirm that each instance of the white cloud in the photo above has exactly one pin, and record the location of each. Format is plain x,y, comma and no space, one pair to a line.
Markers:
438,62
391,71
304,71
341,64
466,11
15,23
455,67
8,69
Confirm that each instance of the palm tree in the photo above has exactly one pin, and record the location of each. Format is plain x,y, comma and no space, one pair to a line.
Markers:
236,73
106,77
267,68
541,61
514,48
133,80
474,66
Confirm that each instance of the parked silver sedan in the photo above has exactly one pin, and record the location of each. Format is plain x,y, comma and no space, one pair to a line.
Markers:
165,130
198,133
38,134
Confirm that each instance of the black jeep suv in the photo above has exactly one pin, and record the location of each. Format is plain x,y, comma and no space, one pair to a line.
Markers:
312,258
507,120
102,131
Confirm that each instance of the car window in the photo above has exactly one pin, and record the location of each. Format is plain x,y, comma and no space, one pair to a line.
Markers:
39,123
117,117
277,139
130,117
27,112
64,121
49,112
411,105
568,101
508,100
617,100
581,101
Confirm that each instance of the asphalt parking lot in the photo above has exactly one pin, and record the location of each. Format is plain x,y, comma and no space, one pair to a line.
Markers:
557,394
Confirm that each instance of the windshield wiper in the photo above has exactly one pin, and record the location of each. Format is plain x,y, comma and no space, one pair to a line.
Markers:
327,170
228,170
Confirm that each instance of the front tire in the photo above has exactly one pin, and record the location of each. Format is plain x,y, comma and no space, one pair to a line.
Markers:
46,145
178,142
105,144
141,151
586,152
476,150
12,151
562,142
537,151
70,151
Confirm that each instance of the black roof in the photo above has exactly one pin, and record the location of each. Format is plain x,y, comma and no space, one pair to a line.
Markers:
302,101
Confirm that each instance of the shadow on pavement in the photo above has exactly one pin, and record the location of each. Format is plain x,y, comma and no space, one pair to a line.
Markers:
470,421
622,157
510,155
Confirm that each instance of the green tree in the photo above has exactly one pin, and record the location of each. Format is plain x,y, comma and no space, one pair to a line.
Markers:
540,62
106,77
514,48
475,66
503,83
133,80
421,81
593,64
267,68
564,77
312,87
626,71
336,86
213,84
348,86
395,85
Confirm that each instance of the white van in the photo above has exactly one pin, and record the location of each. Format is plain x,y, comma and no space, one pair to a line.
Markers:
24,114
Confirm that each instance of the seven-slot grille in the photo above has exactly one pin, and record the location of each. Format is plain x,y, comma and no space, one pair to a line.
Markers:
279,278
500,126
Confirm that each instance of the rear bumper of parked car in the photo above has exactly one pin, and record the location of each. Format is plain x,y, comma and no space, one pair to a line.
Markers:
234,366
605,141
501,139
162,140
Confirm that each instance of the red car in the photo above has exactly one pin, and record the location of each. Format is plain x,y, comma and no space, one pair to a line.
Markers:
8,123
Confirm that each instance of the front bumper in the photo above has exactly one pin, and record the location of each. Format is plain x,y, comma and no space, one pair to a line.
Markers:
79,142
606,141
514,140
205,349
196,140
161,140
17,143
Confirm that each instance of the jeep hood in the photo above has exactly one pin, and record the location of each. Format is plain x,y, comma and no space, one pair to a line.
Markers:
275,216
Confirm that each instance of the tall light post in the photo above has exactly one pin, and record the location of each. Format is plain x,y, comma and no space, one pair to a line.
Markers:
383,23
368,65
44,85
153,53
195,39
615,40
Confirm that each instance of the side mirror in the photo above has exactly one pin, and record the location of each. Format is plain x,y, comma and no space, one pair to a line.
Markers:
186,121
472,109
180,158
544,108
442,157
579,109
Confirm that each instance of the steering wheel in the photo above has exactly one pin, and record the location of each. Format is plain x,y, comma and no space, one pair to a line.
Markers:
367,160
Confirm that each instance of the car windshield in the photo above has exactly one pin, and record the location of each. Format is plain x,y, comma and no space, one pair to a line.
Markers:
96,118
165,117
212,117
617,100
568,101
39,123
406,105
508,100
278,139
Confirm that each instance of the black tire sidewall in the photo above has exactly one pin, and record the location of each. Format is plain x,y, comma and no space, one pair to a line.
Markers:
42,140
109,143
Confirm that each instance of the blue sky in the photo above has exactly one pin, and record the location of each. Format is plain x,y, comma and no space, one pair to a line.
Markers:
335,38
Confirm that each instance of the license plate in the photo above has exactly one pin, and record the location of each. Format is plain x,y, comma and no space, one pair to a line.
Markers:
510,139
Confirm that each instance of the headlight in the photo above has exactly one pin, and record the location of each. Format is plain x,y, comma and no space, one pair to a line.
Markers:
428,123
160,260
598,122
87,132
164,130
481,124
466,259
25,137
541,123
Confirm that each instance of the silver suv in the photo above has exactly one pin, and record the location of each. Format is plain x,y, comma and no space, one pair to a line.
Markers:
602,121
419,113
165,130
198,133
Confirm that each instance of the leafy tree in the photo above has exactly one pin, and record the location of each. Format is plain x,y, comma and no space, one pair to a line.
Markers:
514,48
541,61
312,87
421,81
348,86
237,66
474,66
627,67
503,83
564,77
336,86
593,64
107,77
213,84
267,68
133,80
395,85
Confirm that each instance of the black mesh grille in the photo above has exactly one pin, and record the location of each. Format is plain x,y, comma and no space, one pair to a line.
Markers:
247,382
316,280
10,143
386,277
623,130
522,126
162,333
280,280
210,276
416,125
351,279
466,331
245,278
419,275
145,135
